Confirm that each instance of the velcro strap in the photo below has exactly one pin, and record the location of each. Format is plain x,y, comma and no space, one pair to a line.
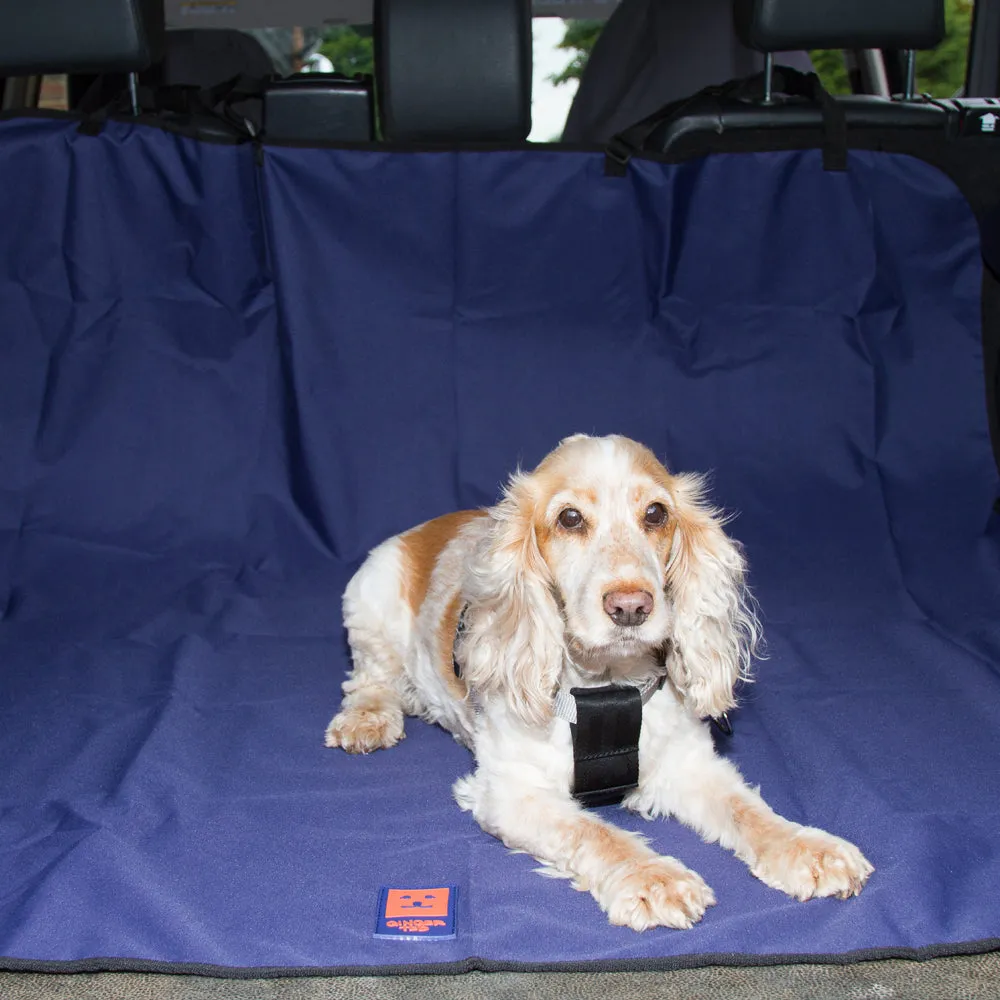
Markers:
606,743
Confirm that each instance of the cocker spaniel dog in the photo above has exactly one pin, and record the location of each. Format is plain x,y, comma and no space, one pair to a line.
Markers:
599,568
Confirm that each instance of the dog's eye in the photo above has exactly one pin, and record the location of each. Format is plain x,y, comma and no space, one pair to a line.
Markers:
655,515
570,518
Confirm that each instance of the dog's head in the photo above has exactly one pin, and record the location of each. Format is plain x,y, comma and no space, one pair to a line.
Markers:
601,555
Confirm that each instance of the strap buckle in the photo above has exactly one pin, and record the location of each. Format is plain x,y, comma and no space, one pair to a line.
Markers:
617,154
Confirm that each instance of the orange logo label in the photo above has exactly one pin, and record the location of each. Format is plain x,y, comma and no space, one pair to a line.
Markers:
420,903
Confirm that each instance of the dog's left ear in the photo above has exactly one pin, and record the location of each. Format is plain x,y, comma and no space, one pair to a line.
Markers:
715,629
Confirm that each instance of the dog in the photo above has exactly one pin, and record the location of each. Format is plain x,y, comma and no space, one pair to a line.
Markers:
599,567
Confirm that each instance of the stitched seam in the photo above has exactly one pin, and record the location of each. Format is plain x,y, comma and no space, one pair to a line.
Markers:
610,753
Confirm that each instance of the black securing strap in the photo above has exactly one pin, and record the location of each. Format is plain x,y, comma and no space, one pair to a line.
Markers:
459,629
722,723
834,119
606,743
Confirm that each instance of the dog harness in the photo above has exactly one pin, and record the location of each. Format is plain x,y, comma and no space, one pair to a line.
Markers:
604,723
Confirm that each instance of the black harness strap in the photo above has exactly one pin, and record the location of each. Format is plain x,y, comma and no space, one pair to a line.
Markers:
606,743
459,629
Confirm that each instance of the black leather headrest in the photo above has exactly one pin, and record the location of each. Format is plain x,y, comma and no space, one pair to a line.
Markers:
452,70
203,57
777,25
80,36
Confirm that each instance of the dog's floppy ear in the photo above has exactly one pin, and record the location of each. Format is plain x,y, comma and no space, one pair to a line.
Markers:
513,644
715,629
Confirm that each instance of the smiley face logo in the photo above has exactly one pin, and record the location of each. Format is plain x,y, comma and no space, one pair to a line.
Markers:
417,903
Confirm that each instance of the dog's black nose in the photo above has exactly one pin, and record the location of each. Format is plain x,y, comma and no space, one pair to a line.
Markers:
628,607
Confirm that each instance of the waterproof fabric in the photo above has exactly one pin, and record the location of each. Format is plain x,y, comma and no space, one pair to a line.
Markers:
222,382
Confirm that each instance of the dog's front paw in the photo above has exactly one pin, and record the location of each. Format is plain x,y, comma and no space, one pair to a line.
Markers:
807,862
660,892
361,730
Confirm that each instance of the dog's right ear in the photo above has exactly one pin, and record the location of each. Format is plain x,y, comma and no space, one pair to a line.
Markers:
514,643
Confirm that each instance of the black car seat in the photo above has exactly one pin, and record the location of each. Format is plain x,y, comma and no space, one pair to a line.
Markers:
448,70
652,52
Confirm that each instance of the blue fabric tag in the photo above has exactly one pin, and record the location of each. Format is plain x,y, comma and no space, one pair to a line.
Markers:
417,914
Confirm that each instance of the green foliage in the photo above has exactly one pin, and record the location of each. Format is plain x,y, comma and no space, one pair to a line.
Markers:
580,36
941,71
829,66
350,48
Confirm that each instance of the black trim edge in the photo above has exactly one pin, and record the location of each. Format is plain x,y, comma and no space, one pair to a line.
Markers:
667,964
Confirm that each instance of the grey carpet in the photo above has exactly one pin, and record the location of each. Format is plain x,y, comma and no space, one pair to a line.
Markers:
964,978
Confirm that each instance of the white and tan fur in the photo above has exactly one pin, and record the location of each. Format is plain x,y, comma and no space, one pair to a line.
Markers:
540,600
